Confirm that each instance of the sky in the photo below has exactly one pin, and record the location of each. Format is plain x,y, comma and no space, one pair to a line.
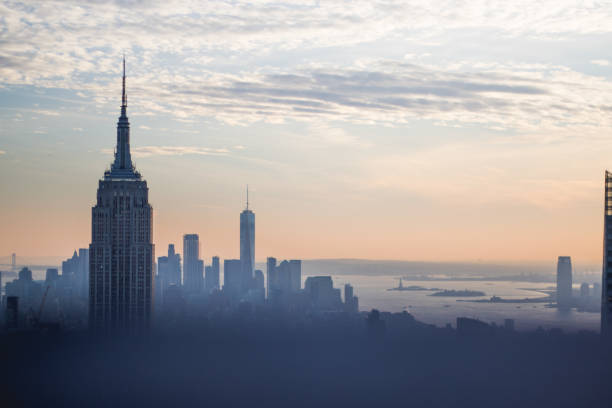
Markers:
409,130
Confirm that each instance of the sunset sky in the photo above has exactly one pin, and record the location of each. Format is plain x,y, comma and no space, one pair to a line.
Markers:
413,130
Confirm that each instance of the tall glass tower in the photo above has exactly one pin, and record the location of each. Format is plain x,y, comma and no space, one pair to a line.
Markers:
606,298
193,266
247,245
121,253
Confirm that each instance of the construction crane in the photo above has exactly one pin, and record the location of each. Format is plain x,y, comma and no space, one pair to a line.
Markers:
35,319
42,303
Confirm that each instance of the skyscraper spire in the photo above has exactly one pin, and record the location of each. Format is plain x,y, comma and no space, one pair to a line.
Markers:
122,167
247,207
123,95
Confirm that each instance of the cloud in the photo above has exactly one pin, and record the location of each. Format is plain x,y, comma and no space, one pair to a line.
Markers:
601,62
179,53
498,96
148,151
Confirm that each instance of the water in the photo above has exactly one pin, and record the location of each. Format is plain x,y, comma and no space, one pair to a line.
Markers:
372,293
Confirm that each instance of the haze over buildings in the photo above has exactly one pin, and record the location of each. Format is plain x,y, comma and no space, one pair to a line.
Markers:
345,112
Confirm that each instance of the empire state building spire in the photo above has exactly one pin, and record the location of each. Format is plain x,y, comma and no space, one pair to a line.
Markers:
122,167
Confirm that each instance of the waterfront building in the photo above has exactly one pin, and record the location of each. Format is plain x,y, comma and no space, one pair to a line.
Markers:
322,294
121,253
564,282
351,302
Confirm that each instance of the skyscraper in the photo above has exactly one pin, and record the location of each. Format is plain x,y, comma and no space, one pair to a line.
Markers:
121,253
193,266
247,245
606,292
564,281
212,275
169,270
232,283
272,282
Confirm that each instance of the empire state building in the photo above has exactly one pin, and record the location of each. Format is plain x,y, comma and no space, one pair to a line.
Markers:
121,250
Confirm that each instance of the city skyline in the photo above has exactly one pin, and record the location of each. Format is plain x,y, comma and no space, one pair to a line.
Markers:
341,203
407,126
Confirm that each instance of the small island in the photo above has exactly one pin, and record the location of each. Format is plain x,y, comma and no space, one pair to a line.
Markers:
401,287
459,293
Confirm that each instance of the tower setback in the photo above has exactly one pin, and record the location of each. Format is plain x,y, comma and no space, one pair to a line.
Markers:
121,253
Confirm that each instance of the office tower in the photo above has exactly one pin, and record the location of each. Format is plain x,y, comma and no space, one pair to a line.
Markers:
70,267
323,295
247,245
174,267
564,282
258,279
13,262
75,273
12,312
169,269
212,275
295,275
509,324
348,292
351,302
606,287
272,283
82,274
284,277
121,253
193,266
51,276
232,278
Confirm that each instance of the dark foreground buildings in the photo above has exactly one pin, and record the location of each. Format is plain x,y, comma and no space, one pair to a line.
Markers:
121,249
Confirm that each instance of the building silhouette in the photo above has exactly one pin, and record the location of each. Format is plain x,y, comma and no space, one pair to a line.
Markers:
322,294
564,282
121,253
351,302
168,271
26,289
606,287
11,317
272,283
232,279
212,275
193,266
247,246
75,273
